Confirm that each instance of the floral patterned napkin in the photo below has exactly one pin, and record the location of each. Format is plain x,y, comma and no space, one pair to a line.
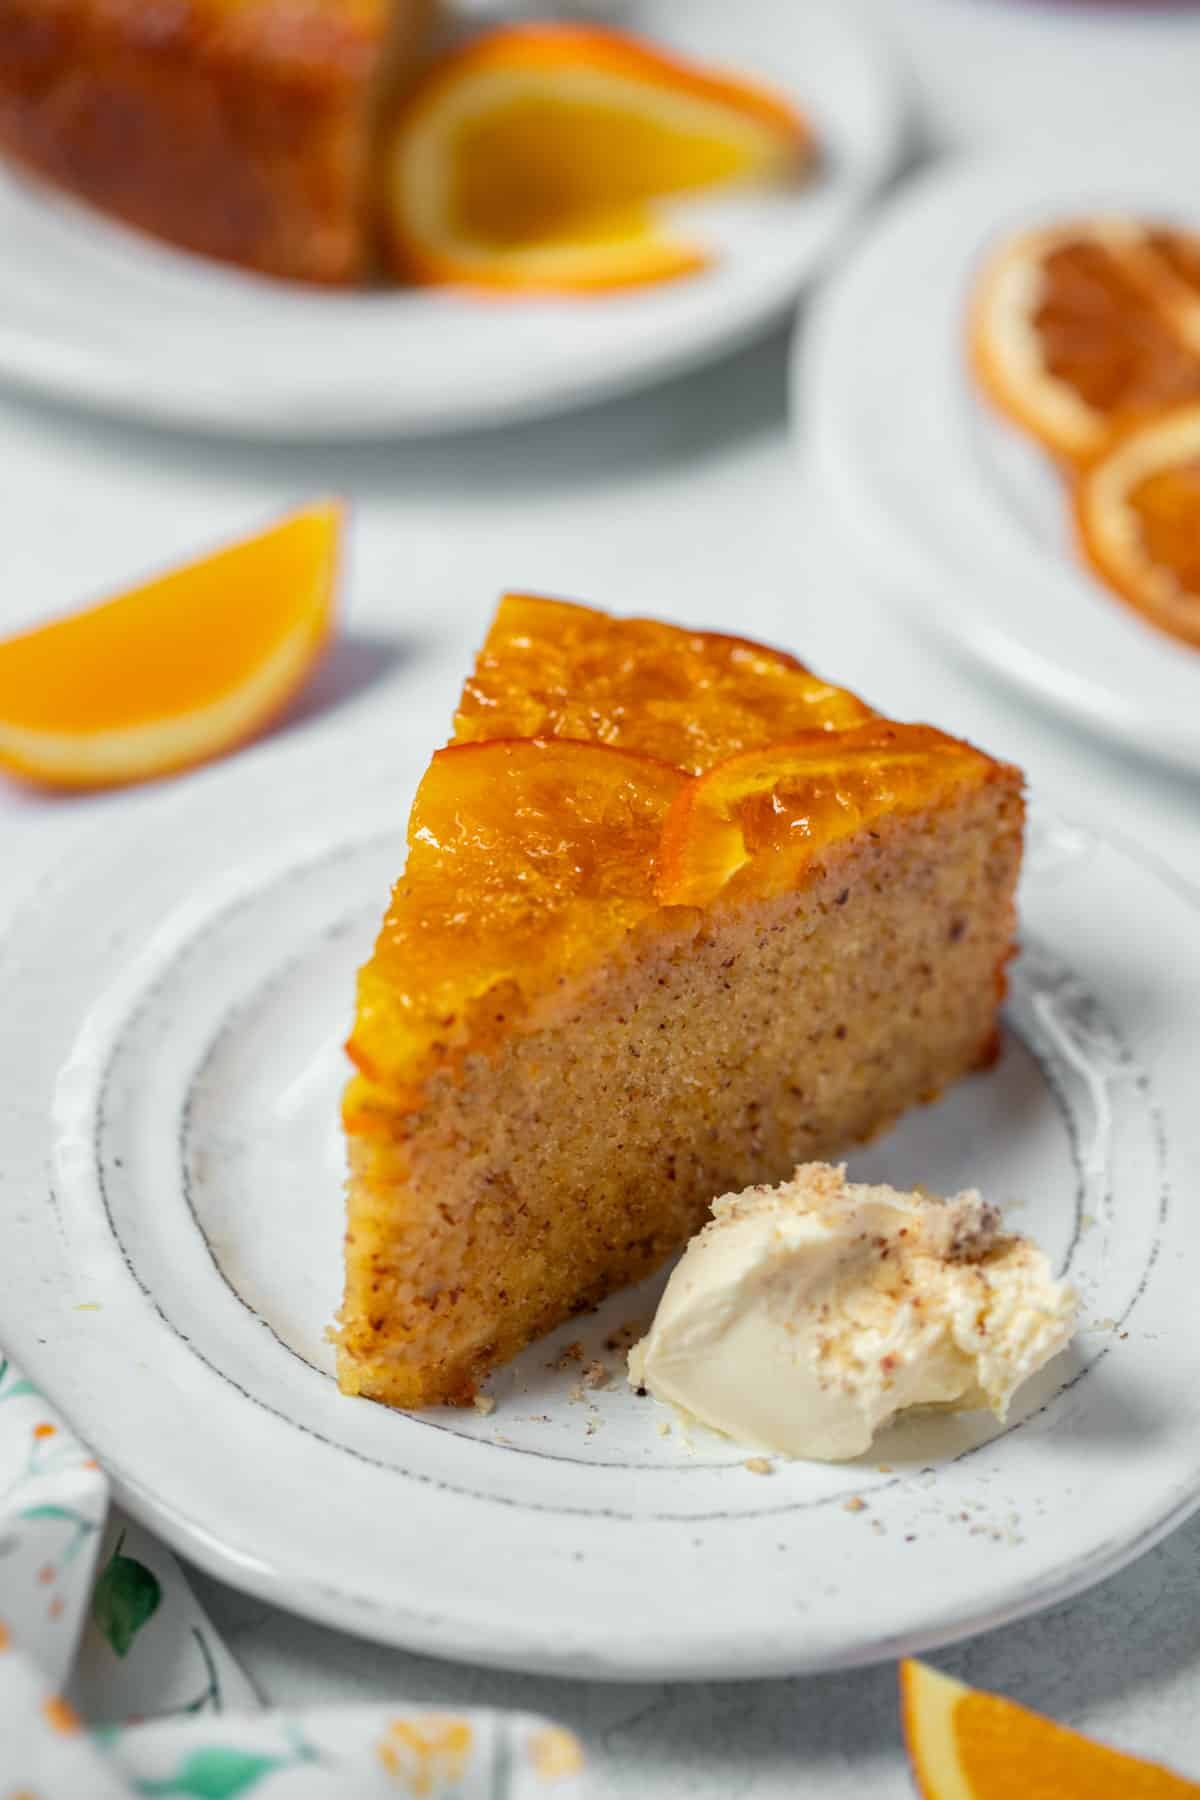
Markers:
114,1683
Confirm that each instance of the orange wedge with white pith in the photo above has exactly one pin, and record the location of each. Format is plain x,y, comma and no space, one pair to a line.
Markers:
967,1745
176,670
534,160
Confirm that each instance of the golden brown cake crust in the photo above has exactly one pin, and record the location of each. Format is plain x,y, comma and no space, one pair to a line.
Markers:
235,128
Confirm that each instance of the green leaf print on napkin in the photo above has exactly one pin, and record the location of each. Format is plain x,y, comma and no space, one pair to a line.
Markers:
127,1595
215,1774
11,1384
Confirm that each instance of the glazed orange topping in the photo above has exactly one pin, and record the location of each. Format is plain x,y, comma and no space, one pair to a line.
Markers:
526,861
1167,506
533,855
1103,333
553,669
754,824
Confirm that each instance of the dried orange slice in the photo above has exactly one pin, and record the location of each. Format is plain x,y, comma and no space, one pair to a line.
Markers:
176,670
1078,330
532,159
550,668
1138,516
526,859
967,1745
752,823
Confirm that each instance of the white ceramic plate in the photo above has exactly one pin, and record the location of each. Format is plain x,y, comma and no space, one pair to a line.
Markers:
169,1260
963,514
95,314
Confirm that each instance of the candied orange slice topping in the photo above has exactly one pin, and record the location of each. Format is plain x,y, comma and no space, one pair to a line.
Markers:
532,158
1138,513
754,823
527,861
1080,329
553,669
176,670
968,1745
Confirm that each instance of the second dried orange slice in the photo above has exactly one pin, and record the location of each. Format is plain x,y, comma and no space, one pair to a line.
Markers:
532,160
1138,515
176,670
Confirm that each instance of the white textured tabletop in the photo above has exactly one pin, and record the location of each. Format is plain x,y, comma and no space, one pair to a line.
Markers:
690,501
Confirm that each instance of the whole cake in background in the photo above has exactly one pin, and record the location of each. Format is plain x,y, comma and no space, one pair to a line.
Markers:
239,129
677,916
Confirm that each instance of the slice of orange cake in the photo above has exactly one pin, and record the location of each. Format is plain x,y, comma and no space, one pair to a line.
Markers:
677,916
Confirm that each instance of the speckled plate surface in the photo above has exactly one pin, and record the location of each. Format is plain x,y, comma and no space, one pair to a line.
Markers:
170,1216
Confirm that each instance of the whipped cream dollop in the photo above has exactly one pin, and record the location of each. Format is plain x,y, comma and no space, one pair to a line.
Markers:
803,1318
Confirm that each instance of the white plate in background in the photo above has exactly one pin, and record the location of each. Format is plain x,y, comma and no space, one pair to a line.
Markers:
98,315
174,1002
963,515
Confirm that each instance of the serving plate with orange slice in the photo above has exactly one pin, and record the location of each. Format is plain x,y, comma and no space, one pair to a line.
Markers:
1012,440
569,211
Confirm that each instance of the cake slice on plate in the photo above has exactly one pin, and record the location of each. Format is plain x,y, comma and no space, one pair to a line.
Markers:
677,916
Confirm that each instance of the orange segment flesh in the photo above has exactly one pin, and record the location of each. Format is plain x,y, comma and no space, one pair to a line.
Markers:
754,823
533,159
553,669
526,862
1138,515
967,1745
1078,330
174,671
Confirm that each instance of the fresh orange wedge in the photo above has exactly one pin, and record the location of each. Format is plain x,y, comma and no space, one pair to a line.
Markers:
174,671
532,159
1078,330
752,823
1138,516
966,1745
